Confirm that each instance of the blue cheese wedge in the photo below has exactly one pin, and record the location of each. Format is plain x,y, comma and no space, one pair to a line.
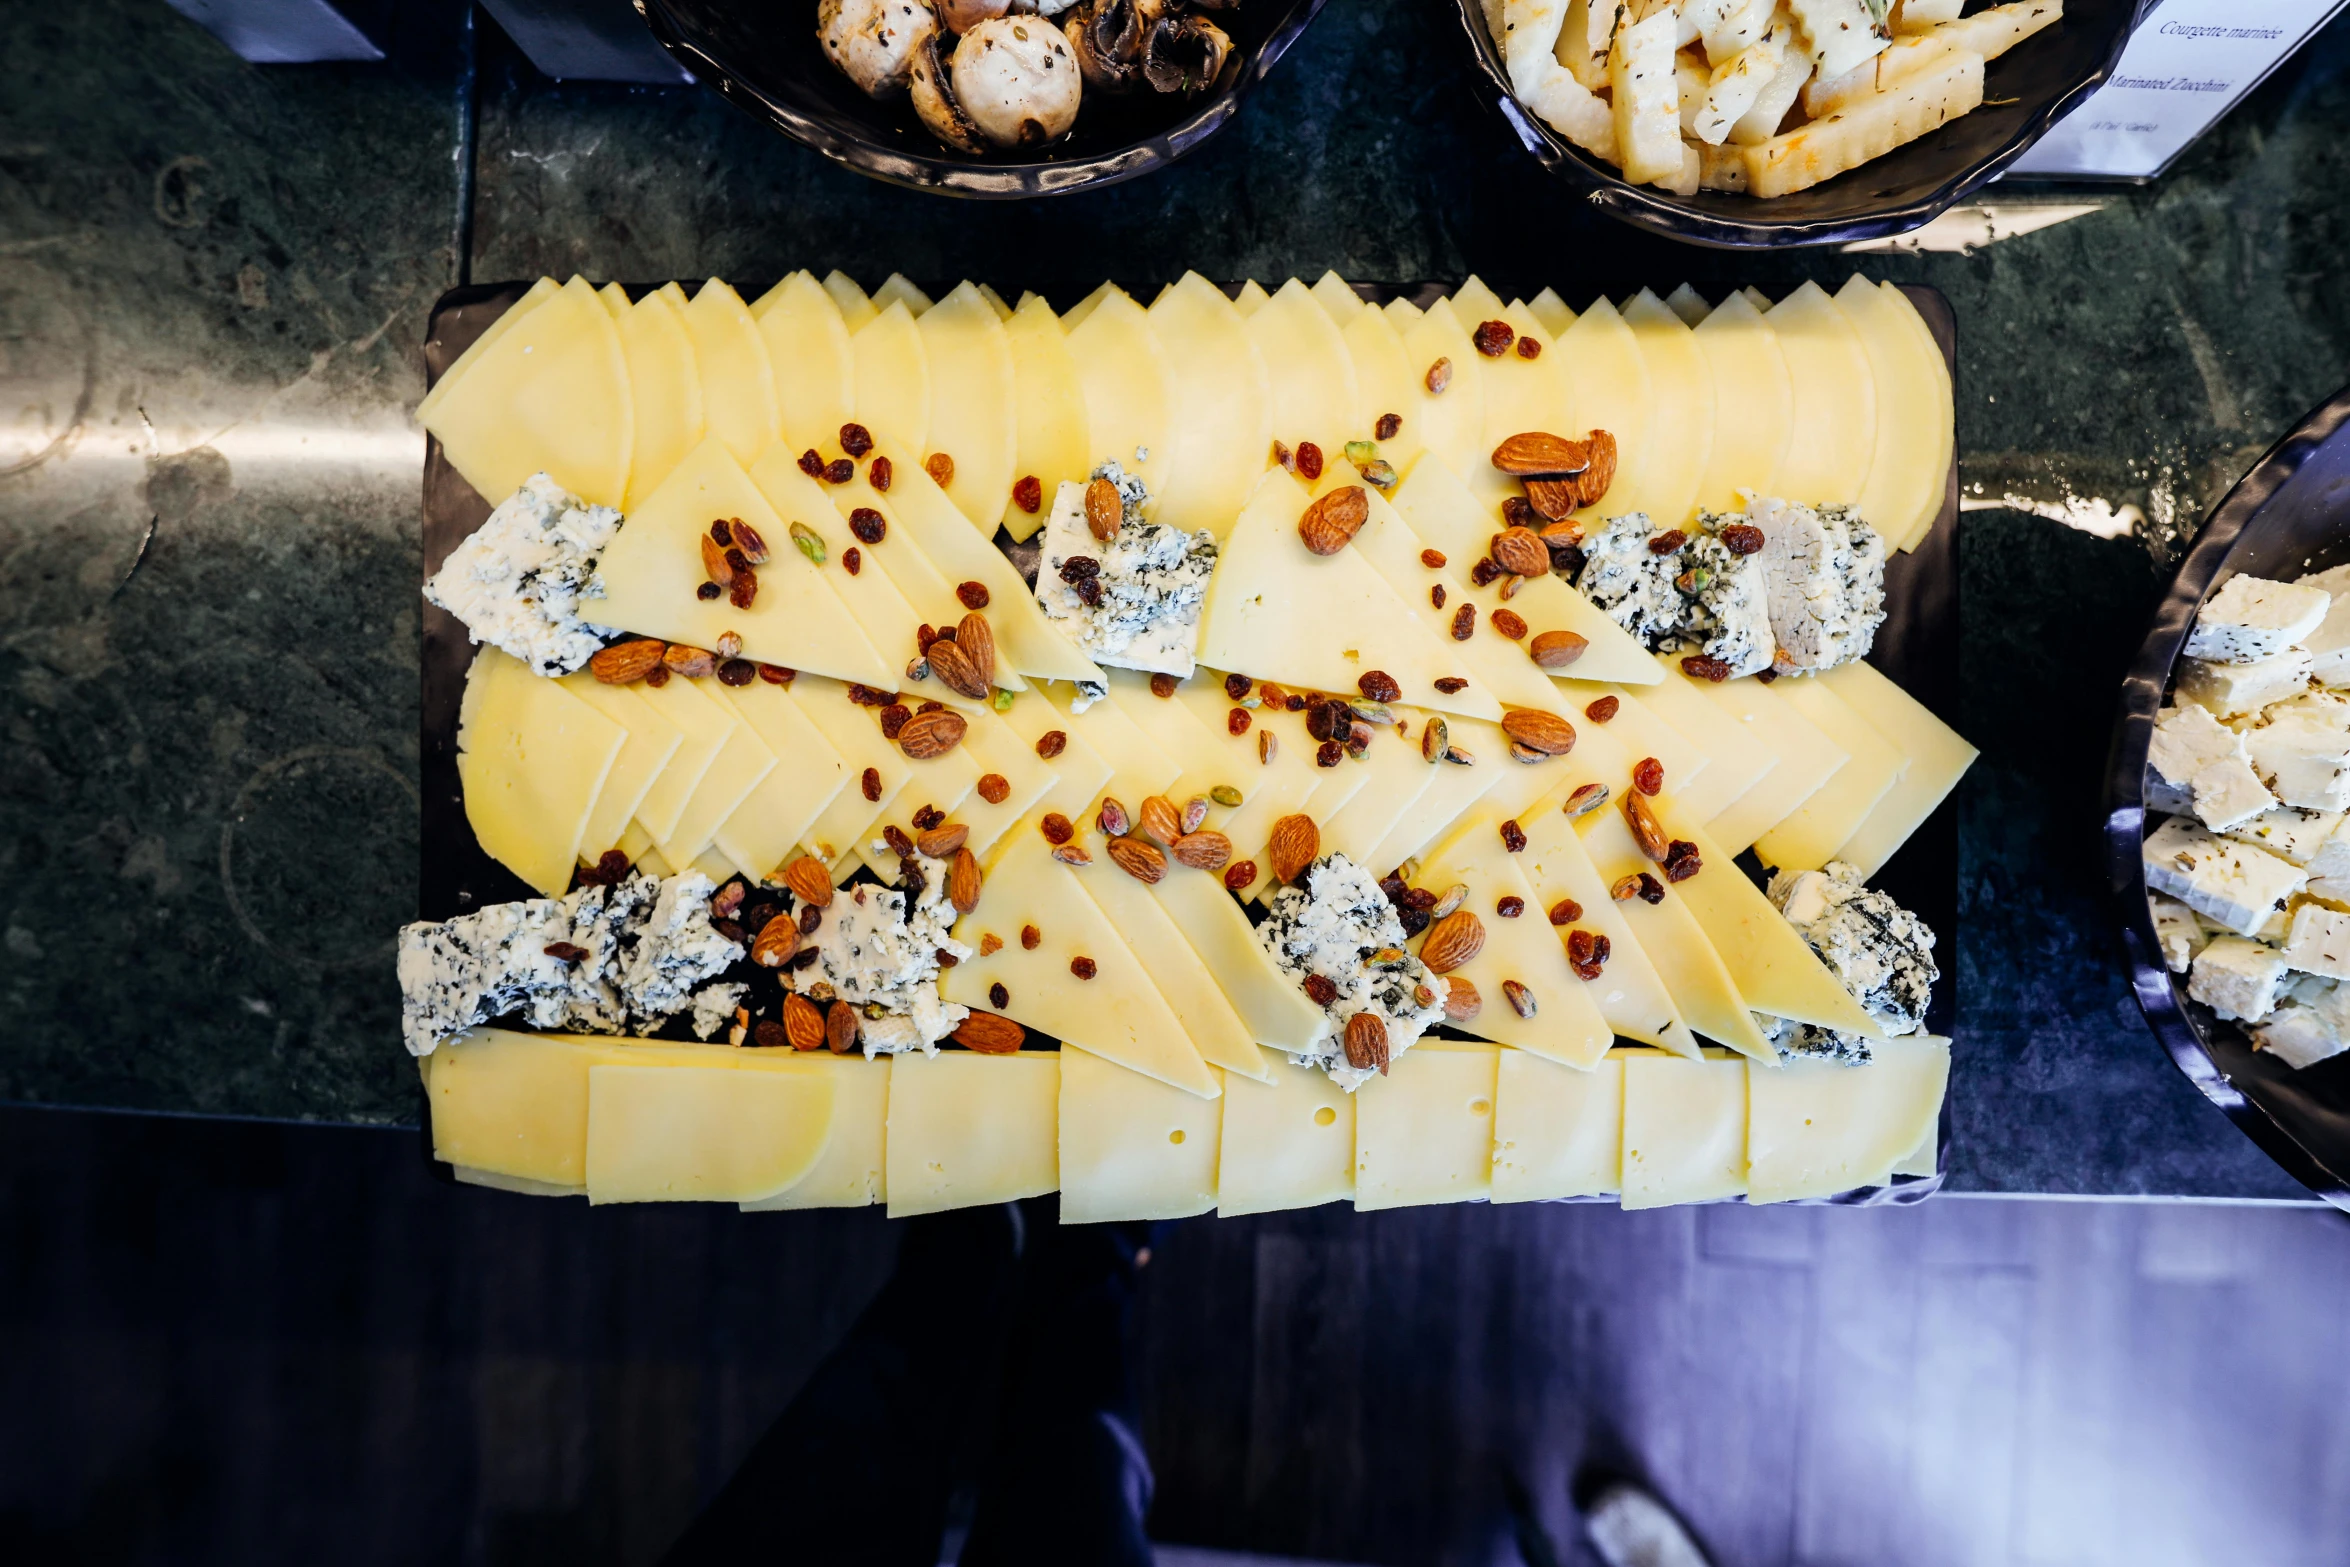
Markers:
2251,618
1334,923
521,580
2236,886
1825,570
1133,602
1882,954
1729,601
1632,584
2237,978
2311,1024
882,957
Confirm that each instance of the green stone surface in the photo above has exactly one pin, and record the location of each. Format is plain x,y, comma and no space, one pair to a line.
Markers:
214,280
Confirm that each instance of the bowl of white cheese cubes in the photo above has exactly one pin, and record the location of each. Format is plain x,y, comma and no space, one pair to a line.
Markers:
2228,830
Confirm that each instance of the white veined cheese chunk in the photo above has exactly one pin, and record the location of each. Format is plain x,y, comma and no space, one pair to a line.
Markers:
2237,978
2318,941
1816,1128
1557,1132
1286,1143
522,580
1424,1132
2252,618
969,1130
2177,931
850,1173
2235,885
2229,689
1131,1147
2229,794
1684,1128
670,1133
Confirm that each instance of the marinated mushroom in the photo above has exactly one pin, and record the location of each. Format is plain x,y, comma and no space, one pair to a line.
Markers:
1107,38
1017,81
874,42
1183,53
960,16
936,102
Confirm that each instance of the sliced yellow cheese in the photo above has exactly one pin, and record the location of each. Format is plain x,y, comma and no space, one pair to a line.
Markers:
1833,434
1176,968
516,1184
1277,611
1556,1132
1945,425
703,725
855,736
742,761
815,372
652,743
893,377
1674,941
1807,840
973,413
856,307
1443,512
510,1104
1271,786
1475,302
1131,1147
939,786
1754,403
1563,1021
996,302
782,806
1074,317
1138,768
532,298
533,758
1128,418
967,1130
1735,760
1925,1158
1556,316
1079,771
1609,388
1938,758
1250,299
1816,1128
1521,394
1274,1010
1907,463
1807,758
664,387
738,381
1424,1132
1337,298
701,1134
1387,383
1054,442
1397,777
653,567
1289,1143
851,1173
1451,422
896,288
1335,788
994,747
1637,731
1310,374
1684,1128
1630,993
1117,1014
1454,789
1219,424
1174,731
549,394
1680,437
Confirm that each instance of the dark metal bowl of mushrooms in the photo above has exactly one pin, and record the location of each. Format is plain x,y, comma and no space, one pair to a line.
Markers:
988,98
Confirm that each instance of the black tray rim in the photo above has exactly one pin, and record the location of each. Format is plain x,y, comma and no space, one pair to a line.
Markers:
2180,1029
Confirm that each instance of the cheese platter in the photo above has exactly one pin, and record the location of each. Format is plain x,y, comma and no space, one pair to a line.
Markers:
1421,747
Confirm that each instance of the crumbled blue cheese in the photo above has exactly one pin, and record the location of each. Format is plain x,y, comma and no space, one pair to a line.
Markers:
1878,951
714,1008
2252,618
675,949
1729,614
1149,583
1335,922
520,580
1825,571
1631,584
881,957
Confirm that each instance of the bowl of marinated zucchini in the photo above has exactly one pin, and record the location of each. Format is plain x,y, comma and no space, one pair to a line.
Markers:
1760,123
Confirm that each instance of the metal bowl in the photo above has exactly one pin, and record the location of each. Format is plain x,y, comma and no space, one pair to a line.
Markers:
2026,90
2289,515
764,59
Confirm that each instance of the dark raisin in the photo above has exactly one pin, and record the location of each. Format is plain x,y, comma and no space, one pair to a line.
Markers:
810,917
1452,685
1667,542
1565,912
1237,686
1742,538
769,1035
567,952
868,525
806,958
1483,573
998,997
811,464
1379,686
1510,908
1513,837
1237,721
708,591
657,676
945,958
839,471
1519,512
1699,667
1464,622
1648,776
855,439
866,696
878,473
732,930
1294,703
1309,461
894,718
1389,427
1051,743
1084,968
1056,828
1568,558
1493,338
872,784
1163,685
721,532
971,595
1320,990
737,672
1420,898
895,836
1028,494
1089,592
1528,348
930,707
1395,890
1077,568
736,560
743,589
1318,722
1329,754
776,674
1414,921
928,817
1436,596
852,560
1601,711
1682,860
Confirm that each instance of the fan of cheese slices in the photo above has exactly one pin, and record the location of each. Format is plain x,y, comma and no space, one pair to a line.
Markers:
1759,97
750,643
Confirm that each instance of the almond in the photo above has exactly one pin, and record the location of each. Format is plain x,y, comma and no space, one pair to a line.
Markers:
1104,511
932,734
691,662
1537,454
1366,1042
1645,827
1138,859
1555,499
1453,941
803,1025
1556,649
1522,551
625,663
1592,483
808,877
940,843
777,942
1158,820
964,881
955,669
1461,1001
1202,851
990,1035
1295,844
978,643
1539,731
841,1027
714,563
1331,522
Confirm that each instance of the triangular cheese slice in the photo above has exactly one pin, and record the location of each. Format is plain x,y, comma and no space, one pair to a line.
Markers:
1397,777
1556,316
1200,1007
1250,299
893,376
1221,428
703,726
653,568
1124,377
1636,729
1833,437
1453,790
1680,434
1562,1020
1810,837
856,307
1079,771
1451,420
1337,297
772,819
742,761
1387,383
841,830
896,287
997,750
1118,1014
644,756
1474,302
664,384
738,382
1676,944
1807,758
1736,761
1938,758
1272,785
1138,768
1610,389
1754,404
1074,317
532,758
816,381
973,419
1277,611
1629,992
1311,375
549,395
531,299
1049,404
1275,1011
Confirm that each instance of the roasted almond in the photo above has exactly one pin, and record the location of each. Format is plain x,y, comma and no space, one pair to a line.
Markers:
777,943
1332,521
1208,850
978,643
1159,820
1554,499
1104,510
955,670
1461,1001
1592,483
1366,1042
964,881
841,1027
691,662
1539,731
1539,455
626,663
989,1034
803,1024
1295,844
1520,550
940,843
932,734
1453,941
808,877
715,565
1649,832
1556,649
1137,859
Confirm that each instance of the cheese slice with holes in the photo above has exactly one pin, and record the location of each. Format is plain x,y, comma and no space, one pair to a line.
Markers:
1945,426
1908,461
1521,394
1680,434
1684,1128
1556,1132
1938,758
1386,383
671,1133
479,348
1054,441
1808,839
841,829
1219,424
1289,1143
1832,436
1128,416
1736,760
1448,518
1754,400
1609,388
973,416
743,760
760,834
653,567
1451,422
1273,1009
651,744
1310,375
1131,1147
704,726
893,376
532,757
548,394
1563,1022
1631,993
1424,1132
851,1172
967,1130
1079,771
664,384
1807,758
1816,1128
739,399
1675,942
1277,611
1197,1003
1118,1014
815,371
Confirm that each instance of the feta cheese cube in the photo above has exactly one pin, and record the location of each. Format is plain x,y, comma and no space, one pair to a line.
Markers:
2318,941
2310,1024
2252,618
2186,741
2237,978
2177,932
2229,689
2228,794
2307,838
2328,646
2301,750
2240,888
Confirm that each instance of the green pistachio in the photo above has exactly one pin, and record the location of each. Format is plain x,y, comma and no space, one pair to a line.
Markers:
811,542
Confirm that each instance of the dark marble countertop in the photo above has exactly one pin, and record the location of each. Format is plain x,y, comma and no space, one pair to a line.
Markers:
213,285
